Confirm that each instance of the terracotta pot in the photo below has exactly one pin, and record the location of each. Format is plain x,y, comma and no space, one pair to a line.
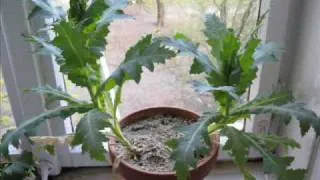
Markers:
130,172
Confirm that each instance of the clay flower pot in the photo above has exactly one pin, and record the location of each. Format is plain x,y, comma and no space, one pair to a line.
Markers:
130,172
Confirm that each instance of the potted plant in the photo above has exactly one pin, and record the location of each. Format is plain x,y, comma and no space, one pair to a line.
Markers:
142,142
78,43
229,69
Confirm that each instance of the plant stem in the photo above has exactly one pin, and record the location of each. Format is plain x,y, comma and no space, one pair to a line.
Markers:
215,127
104,103
121,138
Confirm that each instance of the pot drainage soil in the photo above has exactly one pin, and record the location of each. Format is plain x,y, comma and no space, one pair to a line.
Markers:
150,135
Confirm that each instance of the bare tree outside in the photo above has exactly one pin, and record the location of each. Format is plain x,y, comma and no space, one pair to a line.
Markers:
160,13
238,14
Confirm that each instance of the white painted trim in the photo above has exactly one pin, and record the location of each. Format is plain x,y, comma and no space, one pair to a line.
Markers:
275,30
22,70
20,67
314,162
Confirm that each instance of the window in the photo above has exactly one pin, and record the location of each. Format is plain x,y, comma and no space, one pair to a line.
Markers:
168,86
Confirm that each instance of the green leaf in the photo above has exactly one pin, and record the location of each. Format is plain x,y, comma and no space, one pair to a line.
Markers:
95,11
144,54
79,62
113,12
182,37
293,174
247,66
273,141
228,54
203,88
47,8
192,146
215,31
50,149
227,64
267,53
238,145
89,136
273,163
55,94
281,103
274,98
306,117
202,62
45,46
34,12
278,104
13,136
72,43
238,148
18,168
77,10
182,170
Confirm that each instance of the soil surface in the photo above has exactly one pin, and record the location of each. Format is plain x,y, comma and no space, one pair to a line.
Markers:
150,135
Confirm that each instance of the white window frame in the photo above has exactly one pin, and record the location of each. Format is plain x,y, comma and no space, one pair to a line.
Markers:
23,69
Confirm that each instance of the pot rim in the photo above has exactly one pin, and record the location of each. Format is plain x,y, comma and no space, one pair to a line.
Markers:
213,153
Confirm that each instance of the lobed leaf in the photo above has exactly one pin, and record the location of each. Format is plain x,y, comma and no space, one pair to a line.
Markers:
267,53
113,12
195,144
203,88
79,62
96,21
272,141
238,145
238,148
47,8
77,10
247,66
144,54
227,64
73,45
19,168
95,11
14,136
306,117
274,98
46,48
202,62
55,94
281,103
89,136
215,31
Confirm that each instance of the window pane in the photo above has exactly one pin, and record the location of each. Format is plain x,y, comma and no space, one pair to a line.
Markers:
6,117
169,84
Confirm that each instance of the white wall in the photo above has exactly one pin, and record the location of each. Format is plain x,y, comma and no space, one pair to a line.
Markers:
304,78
